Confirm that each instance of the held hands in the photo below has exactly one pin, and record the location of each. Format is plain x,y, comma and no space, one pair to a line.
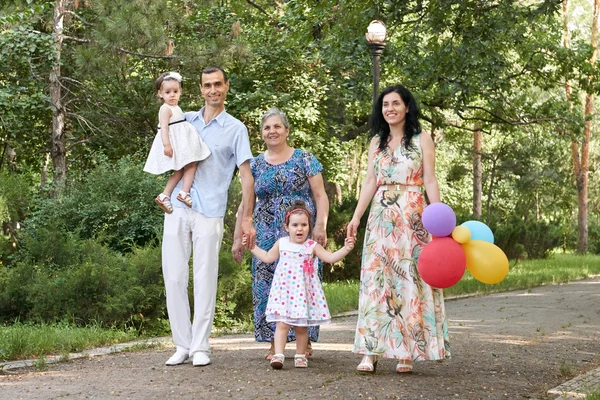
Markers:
237,250
352,229
168,150
349,243
319,236
248,234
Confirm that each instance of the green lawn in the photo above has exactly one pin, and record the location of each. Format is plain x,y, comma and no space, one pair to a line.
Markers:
24,340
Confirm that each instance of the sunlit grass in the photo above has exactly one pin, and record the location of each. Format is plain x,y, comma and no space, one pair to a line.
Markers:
560,268
341,296
23,340
528,274
594,395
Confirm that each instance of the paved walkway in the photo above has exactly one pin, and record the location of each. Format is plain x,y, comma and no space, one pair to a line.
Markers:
541,343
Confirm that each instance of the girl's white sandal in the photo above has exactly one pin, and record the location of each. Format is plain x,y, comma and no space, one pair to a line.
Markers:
277,361
300,361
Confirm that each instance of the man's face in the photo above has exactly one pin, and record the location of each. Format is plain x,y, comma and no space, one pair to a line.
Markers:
214,89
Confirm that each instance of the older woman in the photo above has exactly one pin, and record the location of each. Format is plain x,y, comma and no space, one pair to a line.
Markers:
282,175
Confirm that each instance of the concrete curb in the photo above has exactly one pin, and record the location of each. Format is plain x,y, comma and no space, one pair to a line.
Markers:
578,387
100,351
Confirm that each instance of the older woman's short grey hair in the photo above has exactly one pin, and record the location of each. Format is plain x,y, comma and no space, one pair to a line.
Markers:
279,113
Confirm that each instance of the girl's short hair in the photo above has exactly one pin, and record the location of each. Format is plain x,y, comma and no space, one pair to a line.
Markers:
167,76
298,207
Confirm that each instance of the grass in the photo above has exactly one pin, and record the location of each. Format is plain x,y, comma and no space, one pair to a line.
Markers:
559,268
594,395
24,340
341,296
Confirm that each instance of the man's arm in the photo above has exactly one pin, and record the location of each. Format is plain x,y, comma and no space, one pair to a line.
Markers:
248,198
237,249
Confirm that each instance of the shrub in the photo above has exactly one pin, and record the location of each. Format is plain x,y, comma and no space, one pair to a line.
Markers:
349,267
535,238
97,285
17,195
113,203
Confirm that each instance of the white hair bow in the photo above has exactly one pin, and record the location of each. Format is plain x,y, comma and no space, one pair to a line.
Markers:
173,75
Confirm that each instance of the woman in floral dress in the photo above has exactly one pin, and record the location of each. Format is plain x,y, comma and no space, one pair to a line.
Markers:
400,316
282,175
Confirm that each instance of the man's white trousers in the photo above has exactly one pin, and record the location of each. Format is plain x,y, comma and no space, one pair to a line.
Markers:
184,230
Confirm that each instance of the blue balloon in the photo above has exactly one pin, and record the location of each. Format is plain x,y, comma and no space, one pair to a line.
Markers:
479,231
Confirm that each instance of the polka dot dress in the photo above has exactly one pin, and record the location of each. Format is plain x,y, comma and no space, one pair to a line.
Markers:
296,296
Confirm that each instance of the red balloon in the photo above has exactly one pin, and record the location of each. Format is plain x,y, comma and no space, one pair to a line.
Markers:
442,262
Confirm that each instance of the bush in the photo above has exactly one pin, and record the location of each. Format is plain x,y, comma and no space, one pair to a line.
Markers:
349,267
17,195
93,284
113,203
535,238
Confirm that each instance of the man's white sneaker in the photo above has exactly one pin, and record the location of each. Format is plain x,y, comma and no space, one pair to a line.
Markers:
200,359
178,358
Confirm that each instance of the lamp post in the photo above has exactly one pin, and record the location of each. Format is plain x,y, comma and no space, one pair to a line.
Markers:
376,34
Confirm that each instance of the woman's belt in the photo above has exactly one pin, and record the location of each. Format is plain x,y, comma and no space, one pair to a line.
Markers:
399,187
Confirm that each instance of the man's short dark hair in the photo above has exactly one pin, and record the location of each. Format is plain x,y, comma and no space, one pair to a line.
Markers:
212,69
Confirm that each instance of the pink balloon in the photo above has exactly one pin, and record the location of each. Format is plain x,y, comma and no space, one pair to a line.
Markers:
439,219
442,263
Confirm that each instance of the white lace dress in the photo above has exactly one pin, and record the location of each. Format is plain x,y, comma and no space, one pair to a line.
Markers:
185,141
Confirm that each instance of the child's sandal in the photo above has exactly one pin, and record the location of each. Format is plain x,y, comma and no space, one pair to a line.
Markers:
300,361
164,202
185,198
277,361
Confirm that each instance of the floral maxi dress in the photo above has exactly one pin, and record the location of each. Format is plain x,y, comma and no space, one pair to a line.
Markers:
400,316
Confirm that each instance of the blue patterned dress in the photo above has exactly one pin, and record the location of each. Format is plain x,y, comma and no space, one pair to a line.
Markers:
276,188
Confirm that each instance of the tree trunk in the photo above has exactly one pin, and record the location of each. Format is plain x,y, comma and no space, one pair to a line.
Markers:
477,173
58,118
581,162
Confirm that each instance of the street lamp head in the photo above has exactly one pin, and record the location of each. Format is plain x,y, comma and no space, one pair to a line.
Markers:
376,32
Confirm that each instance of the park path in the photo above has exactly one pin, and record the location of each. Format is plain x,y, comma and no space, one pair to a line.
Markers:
515,345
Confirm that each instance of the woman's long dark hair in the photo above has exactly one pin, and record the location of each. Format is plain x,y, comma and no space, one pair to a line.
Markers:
378,125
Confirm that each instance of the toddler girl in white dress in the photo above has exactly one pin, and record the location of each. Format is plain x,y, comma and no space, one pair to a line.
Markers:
296,297
177,145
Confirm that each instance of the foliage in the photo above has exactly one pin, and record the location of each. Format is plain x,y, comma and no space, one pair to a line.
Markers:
89,282
17,195
27,56
112,203
497,67
536,238
349,267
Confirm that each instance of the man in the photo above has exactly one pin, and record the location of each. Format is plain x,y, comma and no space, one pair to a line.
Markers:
199,230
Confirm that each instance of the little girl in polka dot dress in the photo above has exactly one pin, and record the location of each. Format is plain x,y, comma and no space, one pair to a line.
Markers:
296,298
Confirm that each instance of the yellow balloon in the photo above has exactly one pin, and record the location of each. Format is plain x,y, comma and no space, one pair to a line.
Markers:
461,234
485,261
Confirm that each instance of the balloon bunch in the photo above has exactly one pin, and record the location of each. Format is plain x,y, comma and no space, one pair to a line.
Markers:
442,261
